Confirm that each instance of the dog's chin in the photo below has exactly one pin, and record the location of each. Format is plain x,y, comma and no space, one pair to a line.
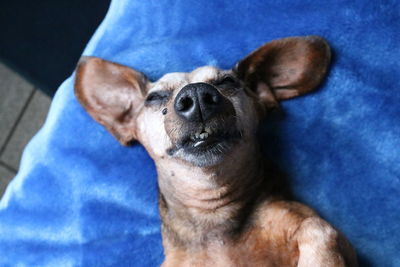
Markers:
204,149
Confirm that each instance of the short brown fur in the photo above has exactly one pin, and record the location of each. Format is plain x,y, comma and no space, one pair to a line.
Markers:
228,207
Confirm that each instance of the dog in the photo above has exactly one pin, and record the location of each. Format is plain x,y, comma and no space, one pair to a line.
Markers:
221,203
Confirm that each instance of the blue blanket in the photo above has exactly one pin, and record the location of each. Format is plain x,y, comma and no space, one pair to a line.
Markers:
81,199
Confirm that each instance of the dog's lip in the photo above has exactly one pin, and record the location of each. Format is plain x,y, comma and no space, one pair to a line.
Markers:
211,137
204,142
208,138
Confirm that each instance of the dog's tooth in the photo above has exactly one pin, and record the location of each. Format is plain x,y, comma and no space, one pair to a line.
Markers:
204,135
198,143
197,135
208,130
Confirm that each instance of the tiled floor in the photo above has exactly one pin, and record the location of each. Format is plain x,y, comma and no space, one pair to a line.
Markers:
22,113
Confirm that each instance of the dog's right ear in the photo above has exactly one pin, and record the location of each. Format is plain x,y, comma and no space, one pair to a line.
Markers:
112,94
285,68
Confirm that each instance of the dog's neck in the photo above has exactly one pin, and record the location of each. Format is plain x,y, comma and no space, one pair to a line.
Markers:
196,203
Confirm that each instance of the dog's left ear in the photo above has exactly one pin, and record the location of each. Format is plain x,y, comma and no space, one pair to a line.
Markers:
112,94
285,68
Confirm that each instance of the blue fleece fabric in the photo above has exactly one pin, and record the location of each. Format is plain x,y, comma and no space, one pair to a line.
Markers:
81,199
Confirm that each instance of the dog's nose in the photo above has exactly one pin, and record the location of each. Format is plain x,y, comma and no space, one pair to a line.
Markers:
198,102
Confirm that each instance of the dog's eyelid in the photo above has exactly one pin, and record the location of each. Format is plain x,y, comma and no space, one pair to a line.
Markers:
158,97
229,77
226,79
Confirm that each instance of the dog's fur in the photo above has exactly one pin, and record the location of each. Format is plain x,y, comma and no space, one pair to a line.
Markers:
221,204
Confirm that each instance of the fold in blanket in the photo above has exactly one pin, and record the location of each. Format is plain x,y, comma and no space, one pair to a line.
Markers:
81,199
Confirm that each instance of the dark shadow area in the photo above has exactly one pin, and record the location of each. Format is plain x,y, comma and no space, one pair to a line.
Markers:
42,40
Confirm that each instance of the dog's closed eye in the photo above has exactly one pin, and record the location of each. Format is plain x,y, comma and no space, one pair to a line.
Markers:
226,81
228,84
157,97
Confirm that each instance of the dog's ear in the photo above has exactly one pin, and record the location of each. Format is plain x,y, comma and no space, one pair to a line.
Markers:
112,94
285,68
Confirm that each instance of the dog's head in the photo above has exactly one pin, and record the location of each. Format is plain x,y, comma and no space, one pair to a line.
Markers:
200,117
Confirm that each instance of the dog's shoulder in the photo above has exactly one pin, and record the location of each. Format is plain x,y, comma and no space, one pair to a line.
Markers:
279,220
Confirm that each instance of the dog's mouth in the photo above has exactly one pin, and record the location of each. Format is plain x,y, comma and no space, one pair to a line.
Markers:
206,145
208,138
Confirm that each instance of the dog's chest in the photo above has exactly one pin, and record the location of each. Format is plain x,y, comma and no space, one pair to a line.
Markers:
251,249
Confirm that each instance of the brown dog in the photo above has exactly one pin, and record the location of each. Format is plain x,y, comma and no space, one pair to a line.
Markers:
220,202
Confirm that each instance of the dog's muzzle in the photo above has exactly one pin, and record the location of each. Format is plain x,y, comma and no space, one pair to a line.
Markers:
208,124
